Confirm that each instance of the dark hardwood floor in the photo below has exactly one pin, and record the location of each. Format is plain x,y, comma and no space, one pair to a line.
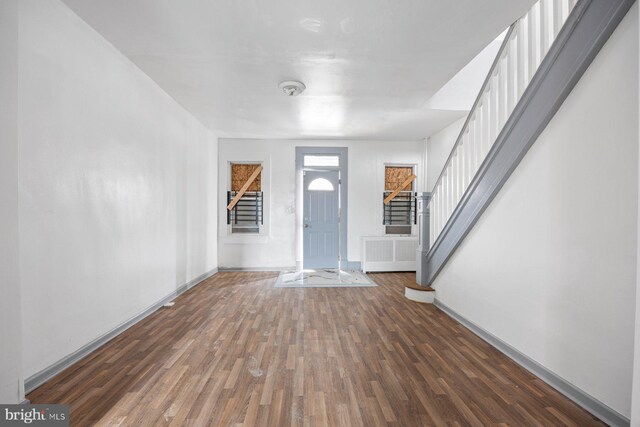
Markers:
237,351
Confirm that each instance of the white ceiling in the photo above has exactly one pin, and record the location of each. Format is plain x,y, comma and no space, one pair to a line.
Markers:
370,66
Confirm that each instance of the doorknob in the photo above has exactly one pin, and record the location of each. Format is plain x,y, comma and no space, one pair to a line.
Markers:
307,226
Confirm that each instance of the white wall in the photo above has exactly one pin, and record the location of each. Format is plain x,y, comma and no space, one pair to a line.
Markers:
10,356
117,187
439,147
550,268
277,248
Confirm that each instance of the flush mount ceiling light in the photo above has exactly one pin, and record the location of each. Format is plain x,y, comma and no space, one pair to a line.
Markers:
292,87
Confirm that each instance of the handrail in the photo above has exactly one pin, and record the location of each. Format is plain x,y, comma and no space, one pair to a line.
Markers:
526,44
494,65
552,47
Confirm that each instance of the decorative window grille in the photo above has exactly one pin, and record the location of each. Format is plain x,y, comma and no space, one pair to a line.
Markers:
246,216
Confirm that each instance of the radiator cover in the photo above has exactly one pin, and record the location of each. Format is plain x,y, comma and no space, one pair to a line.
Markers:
389,253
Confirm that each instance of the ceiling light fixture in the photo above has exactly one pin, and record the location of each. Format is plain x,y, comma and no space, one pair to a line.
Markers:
292,87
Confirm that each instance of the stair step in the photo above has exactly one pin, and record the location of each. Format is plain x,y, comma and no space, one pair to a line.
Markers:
420,293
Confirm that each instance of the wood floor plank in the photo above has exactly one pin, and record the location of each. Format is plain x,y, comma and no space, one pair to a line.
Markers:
236,351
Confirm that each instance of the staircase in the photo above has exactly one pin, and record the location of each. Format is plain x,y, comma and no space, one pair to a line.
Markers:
543,56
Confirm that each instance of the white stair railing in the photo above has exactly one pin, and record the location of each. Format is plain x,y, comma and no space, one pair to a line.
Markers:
525,45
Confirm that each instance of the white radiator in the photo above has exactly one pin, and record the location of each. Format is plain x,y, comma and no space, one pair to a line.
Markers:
389,253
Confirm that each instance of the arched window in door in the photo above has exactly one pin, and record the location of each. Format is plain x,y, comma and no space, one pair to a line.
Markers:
320,184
